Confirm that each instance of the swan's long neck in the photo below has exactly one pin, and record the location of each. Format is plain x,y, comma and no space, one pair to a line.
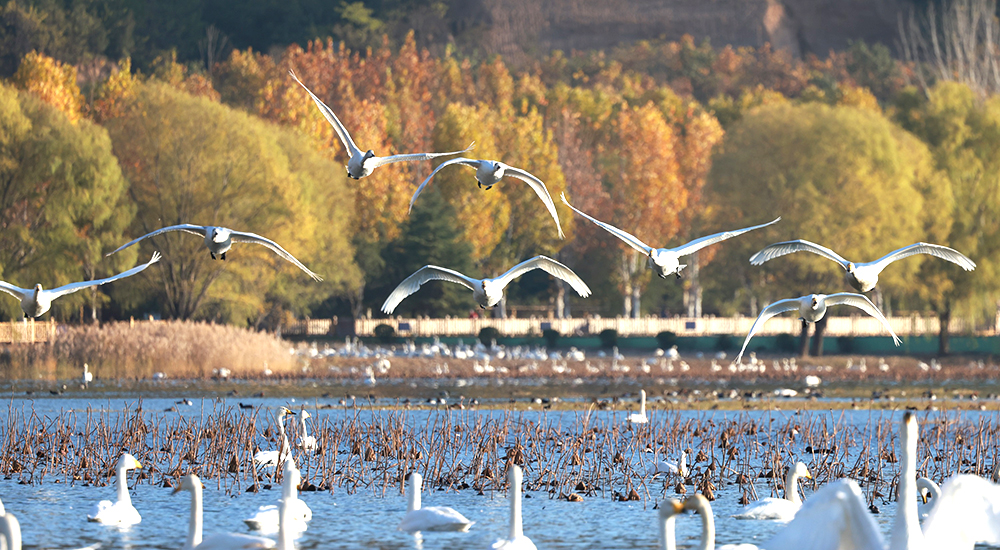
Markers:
906,534
707,526
515,505
792,486
123,495
305,432
284,439
667,537
642,402
10,530
285,541
194,528
414,497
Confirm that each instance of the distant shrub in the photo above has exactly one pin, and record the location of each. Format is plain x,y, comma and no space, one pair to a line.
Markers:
551,336
385,333
724,342
609,338
488,335
785,342
666,339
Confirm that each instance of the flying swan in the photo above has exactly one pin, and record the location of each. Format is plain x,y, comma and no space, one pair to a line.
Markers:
37,301
486,292
812,308
781,509
433,518
362,164
219,240
489,173
220,541
120,512
863,277
666,261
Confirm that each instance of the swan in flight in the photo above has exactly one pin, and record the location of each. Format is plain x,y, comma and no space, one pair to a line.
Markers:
699,504
516,540
812,308
308,442
489,173
433,518
781,509
930,494
640,417
268,519
837,517
486,292
666,261
863,277
363,163
269,459
120,512
219,240
221,541
36,301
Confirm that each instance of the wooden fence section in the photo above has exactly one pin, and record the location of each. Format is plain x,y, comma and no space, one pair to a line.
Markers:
28,332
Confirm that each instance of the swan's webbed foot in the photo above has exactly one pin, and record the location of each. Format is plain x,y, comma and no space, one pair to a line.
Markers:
224,259
678,273
212,254
480,184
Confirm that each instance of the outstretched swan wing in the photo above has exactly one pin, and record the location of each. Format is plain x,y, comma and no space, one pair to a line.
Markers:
185,227
862,302
551,267
936,250
379,161
449,162
968,512
777,308
15,291
252,238
627,237
539,187
413,283
775,250
331,117
833,518
698,244
73,287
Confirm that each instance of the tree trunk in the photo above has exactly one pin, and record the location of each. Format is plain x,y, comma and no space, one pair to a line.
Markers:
692,291
804,340
636,302
817,341
501,309
944,343
627,305
561,300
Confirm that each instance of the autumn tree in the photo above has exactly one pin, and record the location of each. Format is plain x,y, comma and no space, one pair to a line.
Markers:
52,82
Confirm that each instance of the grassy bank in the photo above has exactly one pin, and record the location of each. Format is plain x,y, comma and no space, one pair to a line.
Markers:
178,349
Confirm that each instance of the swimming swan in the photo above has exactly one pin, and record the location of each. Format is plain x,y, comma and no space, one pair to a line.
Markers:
640,417
10,532
308,442
221,541
812,308
486,292
36,301
863,277
267,519
701,506
516,539
837,517
666,261
433,518
930,494
489,173
219,240
781,509
361,163
667,512
120,512
663,467
269,459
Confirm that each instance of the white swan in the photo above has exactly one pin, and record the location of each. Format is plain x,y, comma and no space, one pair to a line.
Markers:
36,301
433,518
863,277
120,512
781,509
667,510
812,308
663,467
666,261
640,417
486,292
361,163
837,517
930,494
221,541
489,173
88,377
700,504
308,442
10,532
516,539
267,519
219,240
269,459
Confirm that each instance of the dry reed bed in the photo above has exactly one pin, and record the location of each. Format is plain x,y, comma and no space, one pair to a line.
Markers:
591,453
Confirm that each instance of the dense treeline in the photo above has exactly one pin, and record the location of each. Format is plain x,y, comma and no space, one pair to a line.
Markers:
668,140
